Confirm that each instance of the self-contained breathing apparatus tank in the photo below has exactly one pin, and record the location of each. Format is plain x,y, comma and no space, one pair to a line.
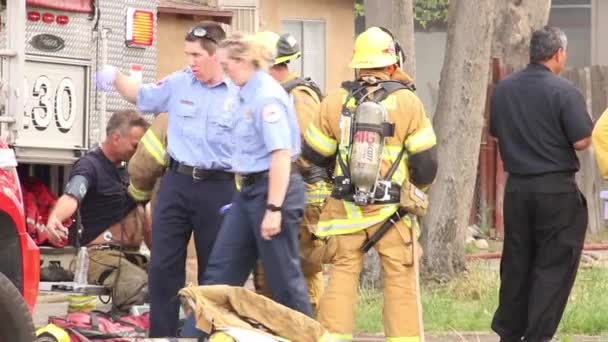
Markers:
362,142
367,150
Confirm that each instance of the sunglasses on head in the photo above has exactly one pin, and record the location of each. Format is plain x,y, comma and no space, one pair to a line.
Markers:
201,32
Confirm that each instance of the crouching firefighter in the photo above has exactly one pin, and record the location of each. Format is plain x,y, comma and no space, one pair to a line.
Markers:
384,145
307,98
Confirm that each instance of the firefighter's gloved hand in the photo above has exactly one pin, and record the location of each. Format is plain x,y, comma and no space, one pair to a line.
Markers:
105,77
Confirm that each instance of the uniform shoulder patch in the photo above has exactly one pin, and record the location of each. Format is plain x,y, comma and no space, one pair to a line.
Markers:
272,113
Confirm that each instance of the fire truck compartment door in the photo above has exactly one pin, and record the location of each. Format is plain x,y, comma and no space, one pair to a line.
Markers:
53,128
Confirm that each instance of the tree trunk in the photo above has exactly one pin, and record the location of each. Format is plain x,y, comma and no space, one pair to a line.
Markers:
398,17
458,123
515,22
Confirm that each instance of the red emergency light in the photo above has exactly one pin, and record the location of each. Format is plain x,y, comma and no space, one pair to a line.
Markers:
33,16
48,18
62,19
140,27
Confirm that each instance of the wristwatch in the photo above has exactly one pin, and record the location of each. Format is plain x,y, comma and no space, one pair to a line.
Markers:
273,207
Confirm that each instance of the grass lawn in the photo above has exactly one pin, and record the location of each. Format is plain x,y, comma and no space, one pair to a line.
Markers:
468,304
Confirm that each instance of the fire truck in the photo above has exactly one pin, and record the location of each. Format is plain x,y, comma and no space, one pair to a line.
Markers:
51,113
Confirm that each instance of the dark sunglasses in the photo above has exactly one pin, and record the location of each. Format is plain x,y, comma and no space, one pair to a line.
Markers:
200,32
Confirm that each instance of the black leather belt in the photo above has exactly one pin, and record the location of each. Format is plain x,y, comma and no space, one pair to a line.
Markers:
252,178
197,173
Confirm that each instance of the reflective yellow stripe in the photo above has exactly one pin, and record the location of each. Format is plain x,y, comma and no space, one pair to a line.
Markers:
403,339
341,337
326,338
78,303
312,198
317,192
319,141
353,212
137,194
154,147
348,226
421,140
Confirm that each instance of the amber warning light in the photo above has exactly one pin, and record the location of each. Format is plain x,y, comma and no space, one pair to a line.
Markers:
140,27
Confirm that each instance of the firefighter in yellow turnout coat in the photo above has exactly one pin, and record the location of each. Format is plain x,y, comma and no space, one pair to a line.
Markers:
404,147
307,99
149,161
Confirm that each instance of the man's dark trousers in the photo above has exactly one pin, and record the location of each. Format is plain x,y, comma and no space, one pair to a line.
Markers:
185,205
545,224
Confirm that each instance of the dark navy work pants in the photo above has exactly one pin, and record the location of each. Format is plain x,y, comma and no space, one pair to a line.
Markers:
239,244
545,224
184,206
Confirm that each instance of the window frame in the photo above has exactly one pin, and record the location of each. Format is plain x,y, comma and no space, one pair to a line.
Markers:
303,46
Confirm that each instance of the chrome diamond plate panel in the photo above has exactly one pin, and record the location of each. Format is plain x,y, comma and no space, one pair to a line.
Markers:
113,16
83,46
77,34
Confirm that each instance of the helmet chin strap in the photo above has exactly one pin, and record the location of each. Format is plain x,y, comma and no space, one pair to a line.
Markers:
398,49
400,54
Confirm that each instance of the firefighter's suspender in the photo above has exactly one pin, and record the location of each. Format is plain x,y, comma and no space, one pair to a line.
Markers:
304,82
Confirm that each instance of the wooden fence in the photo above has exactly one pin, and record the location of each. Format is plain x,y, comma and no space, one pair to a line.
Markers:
593,83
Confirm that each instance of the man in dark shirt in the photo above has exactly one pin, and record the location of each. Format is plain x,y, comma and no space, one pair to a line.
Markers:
540,120
112,222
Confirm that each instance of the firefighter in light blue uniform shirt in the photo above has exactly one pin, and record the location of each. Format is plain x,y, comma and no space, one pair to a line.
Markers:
200,118
265,215
264,122
198,182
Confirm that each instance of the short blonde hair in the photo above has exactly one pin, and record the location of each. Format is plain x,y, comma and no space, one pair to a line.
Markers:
247,47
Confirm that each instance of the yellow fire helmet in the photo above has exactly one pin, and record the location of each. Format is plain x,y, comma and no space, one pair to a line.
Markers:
53,332
285,45
374,48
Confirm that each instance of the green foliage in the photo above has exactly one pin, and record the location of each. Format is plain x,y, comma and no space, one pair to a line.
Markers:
427,12
359,8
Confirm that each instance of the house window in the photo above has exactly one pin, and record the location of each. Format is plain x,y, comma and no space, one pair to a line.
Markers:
244,20
311,36
574,18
